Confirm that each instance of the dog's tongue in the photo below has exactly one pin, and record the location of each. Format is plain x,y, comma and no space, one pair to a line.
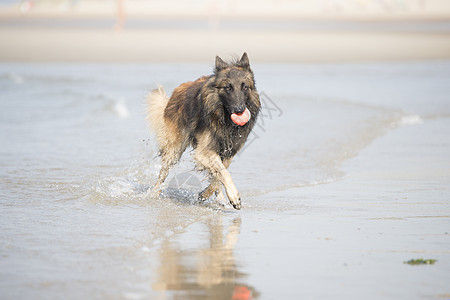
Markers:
242,118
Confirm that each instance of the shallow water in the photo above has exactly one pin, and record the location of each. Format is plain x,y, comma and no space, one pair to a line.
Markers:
336,148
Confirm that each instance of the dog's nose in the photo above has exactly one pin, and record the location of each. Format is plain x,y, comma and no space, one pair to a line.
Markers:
239,110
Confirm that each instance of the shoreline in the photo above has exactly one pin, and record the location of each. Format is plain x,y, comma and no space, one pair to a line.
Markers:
179,31
174,45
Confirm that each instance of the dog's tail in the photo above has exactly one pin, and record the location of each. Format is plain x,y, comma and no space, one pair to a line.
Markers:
156,104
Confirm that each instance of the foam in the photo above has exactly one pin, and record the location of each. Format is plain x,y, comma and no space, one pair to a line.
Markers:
121,109
410,120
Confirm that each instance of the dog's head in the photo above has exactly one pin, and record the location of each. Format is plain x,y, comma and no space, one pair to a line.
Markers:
235,84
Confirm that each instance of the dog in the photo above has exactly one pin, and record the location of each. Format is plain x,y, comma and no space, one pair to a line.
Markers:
214,114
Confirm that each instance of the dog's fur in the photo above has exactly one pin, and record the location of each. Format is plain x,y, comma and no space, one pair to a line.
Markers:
199,114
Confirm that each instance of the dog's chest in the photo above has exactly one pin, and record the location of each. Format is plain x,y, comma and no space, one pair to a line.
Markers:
231,141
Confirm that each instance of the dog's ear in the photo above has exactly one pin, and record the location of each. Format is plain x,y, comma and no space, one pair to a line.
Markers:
244,62
220,64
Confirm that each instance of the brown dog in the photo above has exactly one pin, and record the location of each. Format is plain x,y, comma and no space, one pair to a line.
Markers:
215,115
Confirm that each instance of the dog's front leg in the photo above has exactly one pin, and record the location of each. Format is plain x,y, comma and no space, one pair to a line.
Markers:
210,161
214,185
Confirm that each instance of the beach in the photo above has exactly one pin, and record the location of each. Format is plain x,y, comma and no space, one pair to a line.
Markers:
344,179
186,46
181,32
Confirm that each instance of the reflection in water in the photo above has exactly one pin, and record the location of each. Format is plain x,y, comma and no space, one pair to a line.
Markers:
208,272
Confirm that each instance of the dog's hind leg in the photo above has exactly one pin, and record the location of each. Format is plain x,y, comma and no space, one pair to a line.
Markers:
167,161
215,187
171,152
172,140
172,143
156,190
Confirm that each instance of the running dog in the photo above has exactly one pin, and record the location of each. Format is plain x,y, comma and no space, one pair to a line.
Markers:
214,114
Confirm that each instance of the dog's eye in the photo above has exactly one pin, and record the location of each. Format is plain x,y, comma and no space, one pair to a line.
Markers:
245,88
228,88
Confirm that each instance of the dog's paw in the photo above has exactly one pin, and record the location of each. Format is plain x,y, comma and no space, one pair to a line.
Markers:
200,197
236,205
233,197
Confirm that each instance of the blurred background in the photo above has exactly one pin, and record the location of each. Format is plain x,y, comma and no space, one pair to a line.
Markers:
196,30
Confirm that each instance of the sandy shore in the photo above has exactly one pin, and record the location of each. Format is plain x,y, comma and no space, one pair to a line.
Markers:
97,45
314,32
